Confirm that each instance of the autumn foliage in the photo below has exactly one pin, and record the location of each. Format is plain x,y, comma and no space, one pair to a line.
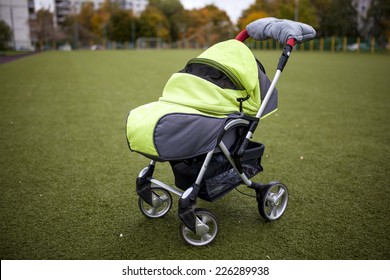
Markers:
200,28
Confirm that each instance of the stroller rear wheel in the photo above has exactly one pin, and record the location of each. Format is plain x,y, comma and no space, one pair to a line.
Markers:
206,229
162,203
272,201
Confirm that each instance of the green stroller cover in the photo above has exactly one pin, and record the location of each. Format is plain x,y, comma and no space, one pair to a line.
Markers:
196,102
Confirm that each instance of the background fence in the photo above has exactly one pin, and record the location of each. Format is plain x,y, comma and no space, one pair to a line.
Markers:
330,44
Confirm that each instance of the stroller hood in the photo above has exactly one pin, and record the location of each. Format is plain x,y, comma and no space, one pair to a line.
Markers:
213,81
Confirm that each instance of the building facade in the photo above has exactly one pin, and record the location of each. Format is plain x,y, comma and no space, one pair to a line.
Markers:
62,8
137,6
16,14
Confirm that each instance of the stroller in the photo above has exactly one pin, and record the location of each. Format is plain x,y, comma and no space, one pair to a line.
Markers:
203,125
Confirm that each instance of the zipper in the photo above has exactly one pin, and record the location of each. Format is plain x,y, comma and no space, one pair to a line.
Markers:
221,68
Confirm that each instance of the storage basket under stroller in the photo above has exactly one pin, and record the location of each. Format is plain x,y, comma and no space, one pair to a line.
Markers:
220,176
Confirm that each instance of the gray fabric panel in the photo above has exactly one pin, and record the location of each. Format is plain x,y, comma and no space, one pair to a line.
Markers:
265,83
180,136
280,29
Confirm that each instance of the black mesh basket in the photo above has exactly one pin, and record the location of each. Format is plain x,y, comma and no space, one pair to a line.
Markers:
220,176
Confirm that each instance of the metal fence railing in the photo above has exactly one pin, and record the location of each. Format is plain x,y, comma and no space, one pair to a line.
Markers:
322,44
332,44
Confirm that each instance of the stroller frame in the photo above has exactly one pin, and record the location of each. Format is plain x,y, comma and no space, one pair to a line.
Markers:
199,227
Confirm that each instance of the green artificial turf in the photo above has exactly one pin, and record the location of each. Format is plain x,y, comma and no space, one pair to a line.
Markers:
67,178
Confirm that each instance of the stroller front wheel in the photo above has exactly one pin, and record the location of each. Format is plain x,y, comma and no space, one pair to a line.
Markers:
206,229
272,201
162,203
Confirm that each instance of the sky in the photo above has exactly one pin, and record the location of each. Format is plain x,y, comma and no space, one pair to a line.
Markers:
232,7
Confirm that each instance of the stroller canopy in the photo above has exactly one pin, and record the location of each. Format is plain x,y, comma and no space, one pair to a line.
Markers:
196,102
212,82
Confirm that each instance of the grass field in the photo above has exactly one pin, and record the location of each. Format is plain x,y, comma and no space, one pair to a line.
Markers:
67,178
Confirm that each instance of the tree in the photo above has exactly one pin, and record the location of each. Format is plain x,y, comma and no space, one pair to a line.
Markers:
302,10
339,19
86,13
5,35
44,27
379,12
259,9
90,24
174,12
322,11
83,24
208,25
153,23
120,26
251,16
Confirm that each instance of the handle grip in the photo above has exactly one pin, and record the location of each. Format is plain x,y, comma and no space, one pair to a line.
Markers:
291,42
288,47
242,36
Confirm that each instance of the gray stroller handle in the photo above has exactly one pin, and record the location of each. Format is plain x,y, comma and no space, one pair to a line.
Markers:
288,33
280,29
288,47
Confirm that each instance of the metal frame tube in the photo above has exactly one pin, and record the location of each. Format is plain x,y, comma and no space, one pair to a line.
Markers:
204,167
166,187
226,152
269,93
